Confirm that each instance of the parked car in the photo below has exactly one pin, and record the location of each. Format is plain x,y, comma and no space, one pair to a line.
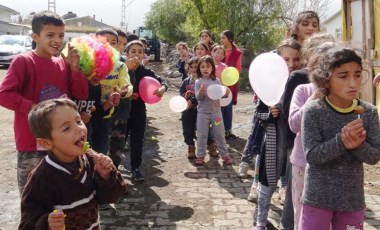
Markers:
12,45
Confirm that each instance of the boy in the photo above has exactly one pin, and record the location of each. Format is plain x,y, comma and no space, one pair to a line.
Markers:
81,181
137,119
117,81
36,76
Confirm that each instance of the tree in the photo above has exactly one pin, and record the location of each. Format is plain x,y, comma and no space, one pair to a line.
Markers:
69,15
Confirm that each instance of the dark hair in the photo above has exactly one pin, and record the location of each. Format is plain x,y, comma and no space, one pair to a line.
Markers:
207,59
205,31
299,18
39,117
132,37
104,31
134,42
289,42
45,18
201,44
331,59
143,41
191,61
230,36
120,32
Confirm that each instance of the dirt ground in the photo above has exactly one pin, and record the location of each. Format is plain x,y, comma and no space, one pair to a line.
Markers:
163,141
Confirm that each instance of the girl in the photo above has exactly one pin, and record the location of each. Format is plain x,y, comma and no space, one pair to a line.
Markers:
184,56
218,55
137,120
200,49
336,143
205,37
209,112
305,24
233,58
271,158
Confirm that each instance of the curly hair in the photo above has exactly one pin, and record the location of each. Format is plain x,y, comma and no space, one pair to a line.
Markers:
310,45
328,61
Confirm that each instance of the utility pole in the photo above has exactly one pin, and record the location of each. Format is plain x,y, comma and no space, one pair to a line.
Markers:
123,23
51,5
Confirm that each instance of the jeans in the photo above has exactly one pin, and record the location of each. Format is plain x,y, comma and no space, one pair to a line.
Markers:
227,116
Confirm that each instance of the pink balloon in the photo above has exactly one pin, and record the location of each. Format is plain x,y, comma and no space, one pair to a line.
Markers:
146,90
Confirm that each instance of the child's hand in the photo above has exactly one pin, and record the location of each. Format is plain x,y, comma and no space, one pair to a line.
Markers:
114,99
189,104
123,91
353,134
72,58
132,63
56,220
227,93
202,90
274,111
103,165
160,91
188,94
85,116
376,80
135,96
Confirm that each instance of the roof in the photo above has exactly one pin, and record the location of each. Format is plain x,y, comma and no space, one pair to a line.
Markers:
336,14
8,10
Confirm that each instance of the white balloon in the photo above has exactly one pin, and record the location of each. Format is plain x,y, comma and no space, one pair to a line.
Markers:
268,74
226,101
216,91
178,104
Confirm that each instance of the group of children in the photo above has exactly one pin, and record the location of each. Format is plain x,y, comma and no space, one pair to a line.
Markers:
59,111
51,131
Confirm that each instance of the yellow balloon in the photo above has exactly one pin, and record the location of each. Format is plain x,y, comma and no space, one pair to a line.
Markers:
230,76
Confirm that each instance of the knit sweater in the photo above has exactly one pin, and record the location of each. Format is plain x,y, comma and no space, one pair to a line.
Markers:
300,97
54,185
334,174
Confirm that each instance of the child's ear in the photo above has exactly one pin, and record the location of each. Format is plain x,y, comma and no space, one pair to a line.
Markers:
34,36
45,143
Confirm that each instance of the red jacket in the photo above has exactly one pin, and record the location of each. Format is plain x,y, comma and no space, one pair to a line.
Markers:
233,58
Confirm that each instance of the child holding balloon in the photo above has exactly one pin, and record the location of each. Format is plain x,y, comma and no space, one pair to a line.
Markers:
137,119
209,111
337,141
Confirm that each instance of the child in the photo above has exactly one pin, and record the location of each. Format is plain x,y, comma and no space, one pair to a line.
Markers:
337,142
137,119
189,116
200,49
218,54
305,24
80,181
209,112
233,57
183,51
205,37
272,155
36,76
116,82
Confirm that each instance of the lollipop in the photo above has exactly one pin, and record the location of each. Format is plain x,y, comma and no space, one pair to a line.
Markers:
359,110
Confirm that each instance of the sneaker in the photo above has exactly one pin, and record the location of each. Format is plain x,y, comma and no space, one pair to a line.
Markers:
230,136
200,161
243,169
252,196
227,160
191,152
212,150
137,175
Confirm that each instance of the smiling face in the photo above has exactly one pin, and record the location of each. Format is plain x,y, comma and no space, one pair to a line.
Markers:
182,50
200,51
344,84
49,41
67,134
218,55
306,28
292,58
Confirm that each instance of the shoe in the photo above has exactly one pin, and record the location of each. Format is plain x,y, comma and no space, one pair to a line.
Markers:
282,194
230,136
212,150
259,228
252,196
191,152
137,175
227,160
243,169
200,161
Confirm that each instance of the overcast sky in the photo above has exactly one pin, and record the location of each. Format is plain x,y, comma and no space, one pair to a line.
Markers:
107,10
